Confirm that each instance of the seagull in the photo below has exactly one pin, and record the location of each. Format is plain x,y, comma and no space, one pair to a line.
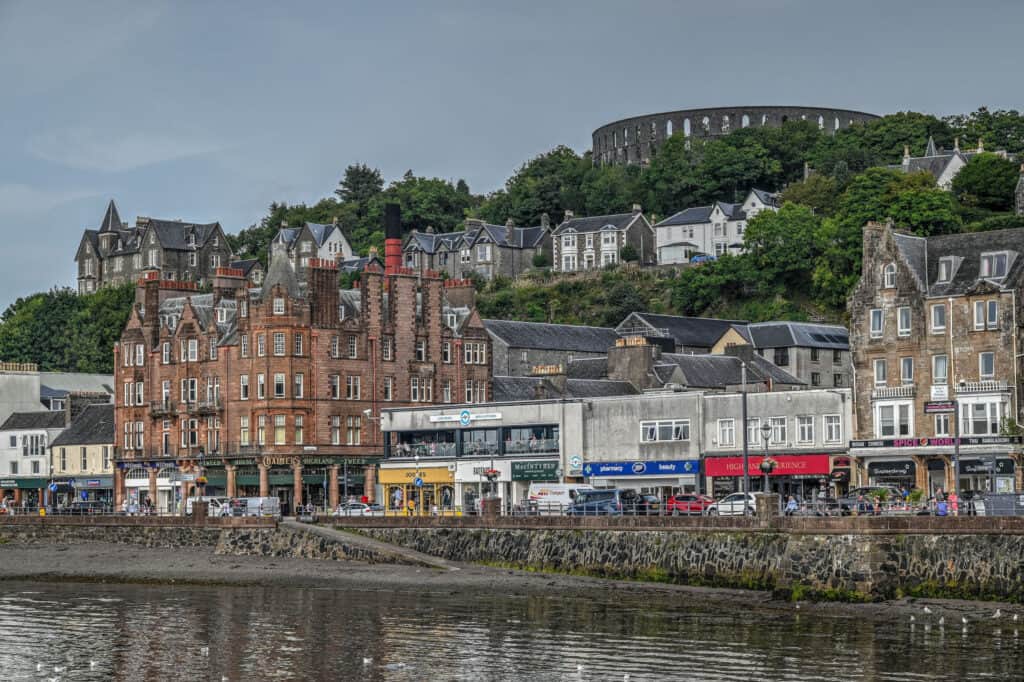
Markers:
59,668
1015,617
942,620
998,613
927,610
912,619
963,619
39,667
798,607
579,667
367,660
92,665
205,651
625,678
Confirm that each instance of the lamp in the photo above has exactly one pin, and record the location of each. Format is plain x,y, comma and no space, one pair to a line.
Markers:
767,464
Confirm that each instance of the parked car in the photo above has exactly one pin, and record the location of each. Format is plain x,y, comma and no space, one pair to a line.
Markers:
701,258
687,503
357,509
848,502
610,502
85,508
642,505
735,504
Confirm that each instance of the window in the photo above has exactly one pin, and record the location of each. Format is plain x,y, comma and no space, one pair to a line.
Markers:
446,391
335,430
389,388
893,420
938,317
14,468
279,306
890,276
465,255
837,357
279,381
475,353
243,387
243,345
476,391
299,380
414,389
981,418
814,355
881,372
815,378
139,354
569,241
833,429
907,370
165,353
589,241
876,323
351,388
353,347
243,431
189,433
569,262
726,432
987,366
483,252
779,431
297,344
386,348
421,350
334,386
781,357
753,431
335,346
35,462
940,369
279,428
261,430
353,430
299,423
278,343
243,306
942,425
609,257
261,345
189,390
261,387
213,349
805,429
446,352
993,265
609,240
106,456
945,269
903,321
668,430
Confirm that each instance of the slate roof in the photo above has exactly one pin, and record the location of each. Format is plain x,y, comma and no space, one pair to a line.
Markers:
172,233
111,220
245,265
701,332
287,235
61,383
93,426
588,368
321,233
501,235
357,264
720,371
509,389
567,337
968,247
45,419
767,198
698,215
798,334
618,221
282,272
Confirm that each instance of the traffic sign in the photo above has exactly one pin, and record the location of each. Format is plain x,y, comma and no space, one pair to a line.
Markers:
418,482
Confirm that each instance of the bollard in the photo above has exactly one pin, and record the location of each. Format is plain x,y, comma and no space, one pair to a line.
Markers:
767,508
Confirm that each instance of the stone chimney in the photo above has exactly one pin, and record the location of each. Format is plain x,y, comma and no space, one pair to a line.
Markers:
569,215
744,352
637,209
334,221
632,360
323,292
906,154
545,221
226,281
553,383
429,230
956,143
1019,194
460,293
981,145
284,223
510,223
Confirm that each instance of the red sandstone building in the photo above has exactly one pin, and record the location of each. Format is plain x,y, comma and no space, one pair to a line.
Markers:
277,391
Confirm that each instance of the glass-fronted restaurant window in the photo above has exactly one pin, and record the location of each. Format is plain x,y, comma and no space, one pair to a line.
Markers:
530,439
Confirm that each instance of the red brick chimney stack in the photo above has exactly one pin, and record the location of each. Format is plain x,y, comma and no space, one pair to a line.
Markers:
392,238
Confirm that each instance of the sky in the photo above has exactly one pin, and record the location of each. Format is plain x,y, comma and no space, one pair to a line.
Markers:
210,111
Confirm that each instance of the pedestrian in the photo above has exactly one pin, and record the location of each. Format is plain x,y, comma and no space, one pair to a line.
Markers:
938,494
941,508
124,506
411,506
791,506
954,502
877,506
862,506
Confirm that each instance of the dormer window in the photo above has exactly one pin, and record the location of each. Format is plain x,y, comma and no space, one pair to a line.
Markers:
993,265
945,269
190,239
889,276
279,306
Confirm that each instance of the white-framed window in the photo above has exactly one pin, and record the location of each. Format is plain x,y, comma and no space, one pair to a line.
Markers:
300,422
945,269
353,347
569,241
877,323
980,417
261,387
942,425
297,344
389,388
986,314
483,252
474,353
165,353
279,384
609,257
334,386
421,350
609,239
986,366
278,343
907,370
189,390
881,372
140,354
805,429
353,430
261,345
243,431
213,348
753,431
279,306
335,346
779,431
243,345
465,256
889,276
666,430
940,369
446,352
993,265
726,432
300,385
569,262
243,387
261,429
414,389
894,419
279,429
938,317
352,388
903,321
387,348
192,259
335,430
589,241
833,428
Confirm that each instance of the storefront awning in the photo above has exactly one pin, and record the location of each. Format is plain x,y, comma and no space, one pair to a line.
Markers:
24,483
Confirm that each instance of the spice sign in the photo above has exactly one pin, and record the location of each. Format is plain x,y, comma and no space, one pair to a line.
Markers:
940,407
535,471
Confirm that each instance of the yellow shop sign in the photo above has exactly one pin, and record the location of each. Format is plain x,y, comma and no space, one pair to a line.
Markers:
408,475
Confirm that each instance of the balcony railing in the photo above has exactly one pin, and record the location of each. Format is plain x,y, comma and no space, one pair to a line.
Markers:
990,386
206,406
536,445
425,450
905,391
162,408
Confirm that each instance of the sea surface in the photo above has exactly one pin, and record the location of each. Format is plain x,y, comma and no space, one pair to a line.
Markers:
129,632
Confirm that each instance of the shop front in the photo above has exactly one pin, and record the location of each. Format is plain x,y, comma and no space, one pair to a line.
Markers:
95,489
987,474
662,477
901,473
473,482
28,492
800,475
139,487
418,490
527,472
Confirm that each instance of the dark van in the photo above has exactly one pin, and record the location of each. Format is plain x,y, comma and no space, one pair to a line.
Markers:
611,502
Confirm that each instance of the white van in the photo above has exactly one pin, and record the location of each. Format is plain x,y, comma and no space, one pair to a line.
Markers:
215,504
554,498
266,507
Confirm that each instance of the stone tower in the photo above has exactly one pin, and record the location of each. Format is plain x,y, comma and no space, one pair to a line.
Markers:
1019,195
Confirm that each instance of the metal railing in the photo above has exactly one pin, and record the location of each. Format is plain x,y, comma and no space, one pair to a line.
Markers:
518,447
987,386
162,408
426,450
905,391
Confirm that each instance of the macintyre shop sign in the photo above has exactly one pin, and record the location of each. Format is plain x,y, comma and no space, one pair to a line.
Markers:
942,442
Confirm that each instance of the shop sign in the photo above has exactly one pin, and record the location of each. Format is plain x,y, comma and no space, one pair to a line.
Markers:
983,467
535,471
944,441
408,475
8,483
940,392
184,477
840,475
675,467
101,482
464,418
575,465
903,469
940,407
840,462
785,465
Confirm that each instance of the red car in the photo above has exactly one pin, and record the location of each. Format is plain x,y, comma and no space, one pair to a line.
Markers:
687,503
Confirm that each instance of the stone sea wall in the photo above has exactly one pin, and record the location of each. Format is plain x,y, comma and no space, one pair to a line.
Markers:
848,567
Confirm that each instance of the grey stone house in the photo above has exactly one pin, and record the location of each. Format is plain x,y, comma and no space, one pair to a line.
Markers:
596,241
116,253
312,240
482,248
518,347
682,334
817,354
251,269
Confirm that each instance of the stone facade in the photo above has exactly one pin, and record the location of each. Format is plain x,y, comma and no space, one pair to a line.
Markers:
935,320
710,230
116,253
245,383
593,242
633,140
480,249
1019,193
311,241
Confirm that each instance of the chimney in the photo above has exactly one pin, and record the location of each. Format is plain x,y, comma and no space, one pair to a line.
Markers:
510,223
430,229
284,223
334,220
460,293
637,209
956,144
322,277
545,221
569,215
744,352
632,360
226,281
392,238
906,154
981,145
553,380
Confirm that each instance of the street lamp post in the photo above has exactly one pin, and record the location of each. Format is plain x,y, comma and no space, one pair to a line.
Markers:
418,490
766,464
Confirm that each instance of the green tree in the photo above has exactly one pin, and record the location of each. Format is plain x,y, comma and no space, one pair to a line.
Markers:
359,184
987,181
818,192
783,244
882,141
628,254
549,183
1000,129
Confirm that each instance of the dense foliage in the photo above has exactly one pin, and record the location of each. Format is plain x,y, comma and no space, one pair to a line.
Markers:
62,331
